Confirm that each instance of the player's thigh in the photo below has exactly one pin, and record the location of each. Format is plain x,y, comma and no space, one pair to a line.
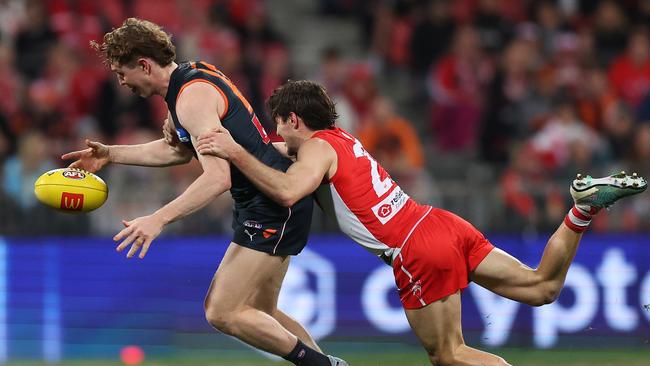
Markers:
266,296
240,275
504,274
438,325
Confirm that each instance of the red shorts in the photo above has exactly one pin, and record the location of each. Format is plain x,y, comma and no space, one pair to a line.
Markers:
437,259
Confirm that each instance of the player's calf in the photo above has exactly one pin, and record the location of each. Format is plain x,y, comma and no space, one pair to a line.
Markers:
592,194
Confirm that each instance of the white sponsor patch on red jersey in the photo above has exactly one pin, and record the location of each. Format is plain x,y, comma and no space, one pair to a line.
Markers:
391,205
366,203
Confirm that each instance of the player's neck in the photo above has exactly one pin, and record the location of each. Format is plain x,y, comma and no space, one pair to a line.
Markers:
310,133
166,73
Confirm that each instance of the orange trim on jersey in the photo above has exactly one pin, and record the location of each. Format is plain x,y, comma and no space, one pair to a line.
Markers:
225,99
209,66
232,86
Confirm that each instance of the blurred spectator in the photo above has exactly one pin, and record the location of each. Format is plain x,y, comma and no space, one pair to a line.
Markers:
332,74
509,107
638,161
360,90
392,32
391,140
550,24
554,141
630,73
76,22
395,144
437,25
332,71
565,63
165,13
21,170
256,31
7,140
12,13
521,187
10,83
33,40
643,113
619,126
610,29
119,109
456,86
595,97
642,14
638,157
493,29
586,48
275,69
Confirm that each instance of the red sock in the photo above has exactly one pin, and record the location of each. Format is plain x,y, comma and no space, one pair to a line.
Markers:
579,217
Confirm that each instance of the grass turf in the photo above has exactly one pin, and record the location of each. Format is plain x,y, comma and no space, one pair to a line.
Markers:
415,357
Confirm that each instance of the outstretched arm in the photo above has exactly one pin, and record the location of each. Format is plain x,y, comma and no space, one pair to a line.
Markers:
315,159
158,153
197,108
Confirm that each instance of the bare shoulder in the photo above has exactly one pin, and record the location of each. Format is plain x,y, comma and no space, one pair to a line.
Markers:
319,155
199,95
315,146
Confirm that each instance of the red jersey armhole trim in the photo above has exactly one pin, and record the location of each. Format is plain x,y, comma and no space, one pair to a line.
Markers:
225,99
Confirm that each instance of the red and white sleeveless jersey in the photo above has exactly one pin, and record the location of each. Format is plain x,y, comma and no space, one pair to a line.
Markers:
368,205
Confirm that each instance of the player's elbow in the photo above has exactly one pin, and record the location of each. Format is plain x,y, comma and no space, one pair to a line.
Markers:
287,199
218,185
547,293
224,185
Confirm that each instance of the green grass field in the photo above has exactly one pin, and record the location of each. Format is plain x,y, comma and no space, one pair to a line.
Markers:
636,357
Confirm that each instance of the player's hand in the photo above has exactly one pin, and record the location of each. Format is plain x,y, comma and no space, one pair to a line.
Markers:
171,138
217,142
92,159
139,233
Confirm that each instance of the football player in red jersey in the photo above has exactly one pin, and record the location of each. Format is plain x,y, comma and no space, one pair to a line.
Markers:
434,253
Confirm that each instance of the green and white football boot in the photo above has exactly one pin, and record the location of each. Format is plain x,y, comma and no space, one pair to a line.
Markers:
603,192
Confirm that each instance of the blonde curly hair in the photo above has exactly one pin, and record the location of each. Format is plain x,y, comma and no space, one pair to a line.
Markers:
134,39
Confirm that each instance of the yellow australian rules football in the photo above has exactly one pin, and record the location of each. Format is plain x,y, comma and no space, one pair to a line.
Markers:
71,190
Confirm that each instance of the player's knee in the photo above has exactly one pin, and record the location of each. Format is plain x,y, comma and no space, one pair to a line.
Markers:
221,322
440,358
220,319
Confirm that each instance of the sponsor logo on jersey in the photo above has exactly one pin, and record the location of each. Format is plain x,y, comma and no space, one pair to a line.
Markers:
249,234
390,206
183,136
253,224
384,210
417,289
73,174
267,233
72,201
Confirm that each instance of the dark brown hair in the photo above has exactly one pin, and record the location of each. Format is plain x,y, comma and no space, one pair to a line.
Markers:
136,38
308,100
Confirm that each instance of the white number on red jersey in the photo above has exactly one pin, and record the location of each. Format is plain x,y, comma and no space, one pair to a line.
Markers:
380,186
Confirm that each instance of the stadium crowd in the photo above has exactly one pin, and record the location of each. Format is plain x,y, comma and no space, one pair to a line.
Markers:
487,107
